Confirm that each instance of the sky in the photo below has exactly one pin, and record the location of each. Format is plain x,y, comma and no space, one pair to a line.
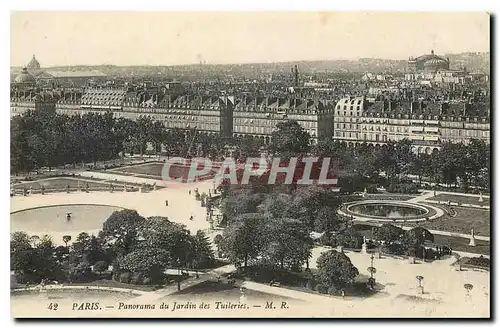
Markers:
168,38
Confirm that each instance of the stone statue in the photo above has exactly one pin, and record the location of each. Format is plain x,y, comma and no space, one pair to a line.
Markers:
472,241
364,240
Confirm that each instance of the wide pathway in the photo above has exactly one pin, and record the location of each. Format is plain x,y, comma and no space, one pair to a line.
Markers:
181,205
190,282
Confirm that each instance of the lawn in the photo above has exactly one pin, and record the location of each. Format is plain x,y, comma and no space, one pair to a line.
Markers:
462,244
61,183
466,219
112,283
154,170
474,200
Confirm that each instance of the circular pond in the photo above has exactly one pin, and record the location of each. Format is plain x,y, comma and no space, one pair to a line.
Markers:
390,211
53,220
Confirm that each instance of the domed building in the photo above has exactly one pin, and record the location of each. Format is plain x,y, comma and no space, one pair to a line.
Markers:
33,65
429,63
24,80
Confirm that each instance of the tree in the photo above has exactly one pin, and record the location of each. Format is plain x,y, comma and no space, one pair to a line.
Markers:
287,243
335,269
148,261
159,232
242,203
121,227
242,239
66,239
349,238
327,220
203,255
419,280
217,242
468,288
417,236
100,266
388,233
289,140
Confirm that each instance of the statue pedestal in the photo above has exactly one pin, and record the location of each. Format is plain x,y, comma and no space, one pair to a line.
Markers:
472,241
481,198
154,188
420,290
411,260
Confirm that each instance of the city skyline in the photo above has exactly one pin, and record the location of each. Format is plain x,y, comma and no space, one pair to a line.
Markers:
164,39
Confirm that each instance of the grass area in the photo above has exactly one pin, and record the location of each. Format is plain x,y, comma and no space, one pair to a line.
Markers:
456,243
466,219
388,196
154,170
222,291
147,169
462,244
61,183
113,283
473,199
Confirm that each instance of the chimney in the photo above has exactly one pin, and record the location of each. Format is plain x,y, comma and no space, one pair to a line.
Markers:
466,108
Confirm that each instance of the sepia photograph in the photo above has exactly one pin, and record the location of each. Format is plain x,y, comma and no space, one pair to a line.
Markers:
272,164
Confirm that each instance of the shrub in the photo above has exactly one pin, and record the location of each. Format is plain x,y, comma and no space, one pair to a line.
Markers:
332,290
322,289
371,189
100,266
395,249
124,277
403,188
311,284
479,261
137,278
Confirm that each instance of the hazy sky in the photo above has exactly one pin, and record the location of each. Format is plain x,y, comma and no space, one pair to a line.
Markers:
158,38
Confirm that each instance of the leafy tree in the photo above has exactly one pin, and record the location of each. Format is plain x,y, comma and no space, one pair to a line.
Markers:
417,236
149,261
159,232
388,233
335,269
327,220
242,203
101,266
349,238
66,239
289,140
242,239
122,227
287,244
203,255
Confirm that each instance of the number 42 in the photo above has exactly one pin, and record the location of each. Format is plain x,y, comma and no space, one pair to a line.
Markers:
53,306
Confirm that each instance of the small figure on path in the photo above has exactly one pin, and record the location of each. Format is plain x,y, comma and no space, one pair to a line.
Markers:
191,218
166,203
68,216
190,192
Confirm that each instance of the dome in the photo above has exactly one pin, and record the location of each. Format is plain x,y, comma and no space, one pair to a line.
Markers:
24,78
33,64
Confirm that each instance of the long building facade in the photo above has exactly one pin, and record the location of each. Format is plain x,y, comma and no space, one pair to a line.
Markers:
427,124
225,115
